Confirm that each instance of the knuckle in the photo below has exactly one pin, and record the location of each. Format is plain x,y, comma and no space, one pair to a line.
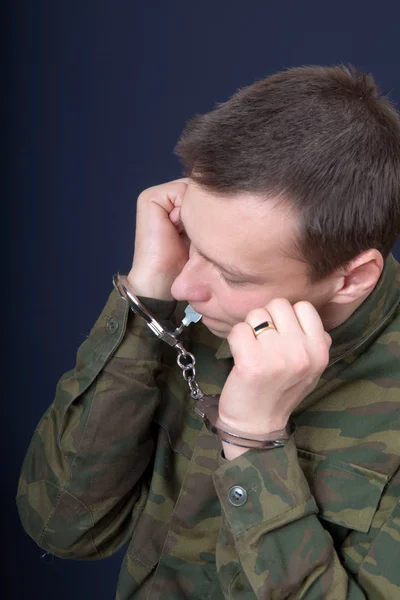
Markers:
236,334
303,304
301,368
162,190
278,367
323,357
301,364
278,303
146,194
256,315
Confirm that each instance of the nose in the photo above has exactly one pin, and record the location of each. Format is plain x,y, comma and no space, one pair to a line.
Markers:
191,284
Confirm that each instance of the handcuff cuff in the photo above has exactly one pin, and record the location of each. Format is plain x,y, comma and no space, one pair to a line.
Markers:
206,404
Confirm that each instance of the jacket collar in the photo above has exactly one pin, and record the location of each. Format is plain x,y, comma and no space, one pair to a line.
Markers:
371,316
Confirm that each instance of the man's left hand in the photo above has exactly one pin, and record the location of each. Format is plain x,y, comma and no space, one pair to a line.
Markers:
274,371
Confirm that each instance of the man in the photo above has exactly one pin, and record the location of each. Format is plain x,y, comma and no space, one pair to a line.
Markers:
280,235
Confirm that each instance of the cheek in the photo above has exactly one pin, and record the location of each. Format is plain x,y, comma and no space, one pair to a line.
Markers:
236,304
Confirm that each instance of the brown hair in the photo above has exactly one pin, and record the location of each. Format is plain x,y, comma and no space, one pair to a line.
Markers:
321,139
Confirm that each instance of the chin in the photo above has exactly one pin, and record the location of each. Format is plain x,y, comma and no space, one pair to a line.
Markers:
219,331
219,334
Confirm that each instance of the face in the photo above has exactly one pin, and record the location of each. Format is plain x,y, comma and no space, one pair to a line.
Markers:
239,259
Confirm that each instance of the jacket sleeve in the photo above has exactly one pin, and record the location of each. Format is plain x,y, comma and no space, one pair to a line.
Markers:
83,484
275,545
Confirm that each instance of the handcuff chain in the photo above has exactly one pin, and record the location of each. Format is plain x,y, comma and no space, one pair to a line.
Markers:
189,371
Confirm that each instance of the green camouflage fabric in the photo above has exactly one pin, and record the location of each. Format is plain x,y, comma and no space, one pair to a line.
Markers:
121,457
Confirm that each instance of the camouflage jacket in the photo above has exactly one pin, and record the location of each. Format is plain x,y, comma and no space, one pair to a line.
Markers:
121,457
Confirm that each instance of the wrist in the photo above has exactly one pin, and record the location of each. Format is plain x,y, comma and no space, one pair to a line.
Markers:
207,408
231,452
265,427
150,286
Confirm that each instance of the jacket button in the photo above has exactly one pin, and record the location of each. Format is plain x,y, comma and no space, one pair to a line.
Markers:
112,324
237,495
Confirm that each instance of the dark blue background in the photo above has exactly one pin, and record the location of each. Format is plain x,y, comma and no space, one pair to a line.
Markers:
98,93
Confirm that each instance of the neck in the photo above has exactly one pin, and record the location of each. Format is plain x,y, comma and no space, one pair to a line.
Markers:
332,314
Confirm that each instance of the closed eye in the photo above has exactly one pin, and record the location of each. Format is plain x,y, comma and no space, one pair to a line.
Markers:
230,282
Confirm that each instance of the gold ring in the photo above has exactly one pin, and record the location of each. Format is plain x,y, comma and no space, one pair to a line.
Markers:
263,327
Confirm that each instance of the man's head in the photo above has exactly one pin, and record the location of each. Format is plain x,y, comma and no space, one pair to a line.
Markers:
309,160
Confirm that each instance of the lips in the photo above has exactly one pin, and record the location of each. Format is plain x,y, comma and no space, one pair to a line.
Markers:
206,316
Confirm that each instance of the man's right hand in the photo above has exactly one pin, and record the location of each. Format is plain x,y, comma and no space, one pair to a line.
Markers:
160,251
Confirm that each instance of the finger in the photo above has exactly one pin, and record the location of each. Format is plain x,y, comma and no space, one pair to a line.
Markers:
242,342
257,317
165,197
309,319
176,194
283,316
175,216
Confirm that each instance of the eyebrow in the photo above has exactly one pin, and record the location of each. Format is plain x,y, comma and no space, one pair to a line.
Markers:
230,269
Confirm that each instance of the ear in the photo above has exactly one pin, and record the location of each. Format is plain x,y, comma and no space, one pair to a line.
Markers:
358,278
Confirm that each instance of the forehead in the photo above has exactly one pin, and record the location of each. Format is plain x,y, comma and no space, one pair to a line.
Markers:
248,231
